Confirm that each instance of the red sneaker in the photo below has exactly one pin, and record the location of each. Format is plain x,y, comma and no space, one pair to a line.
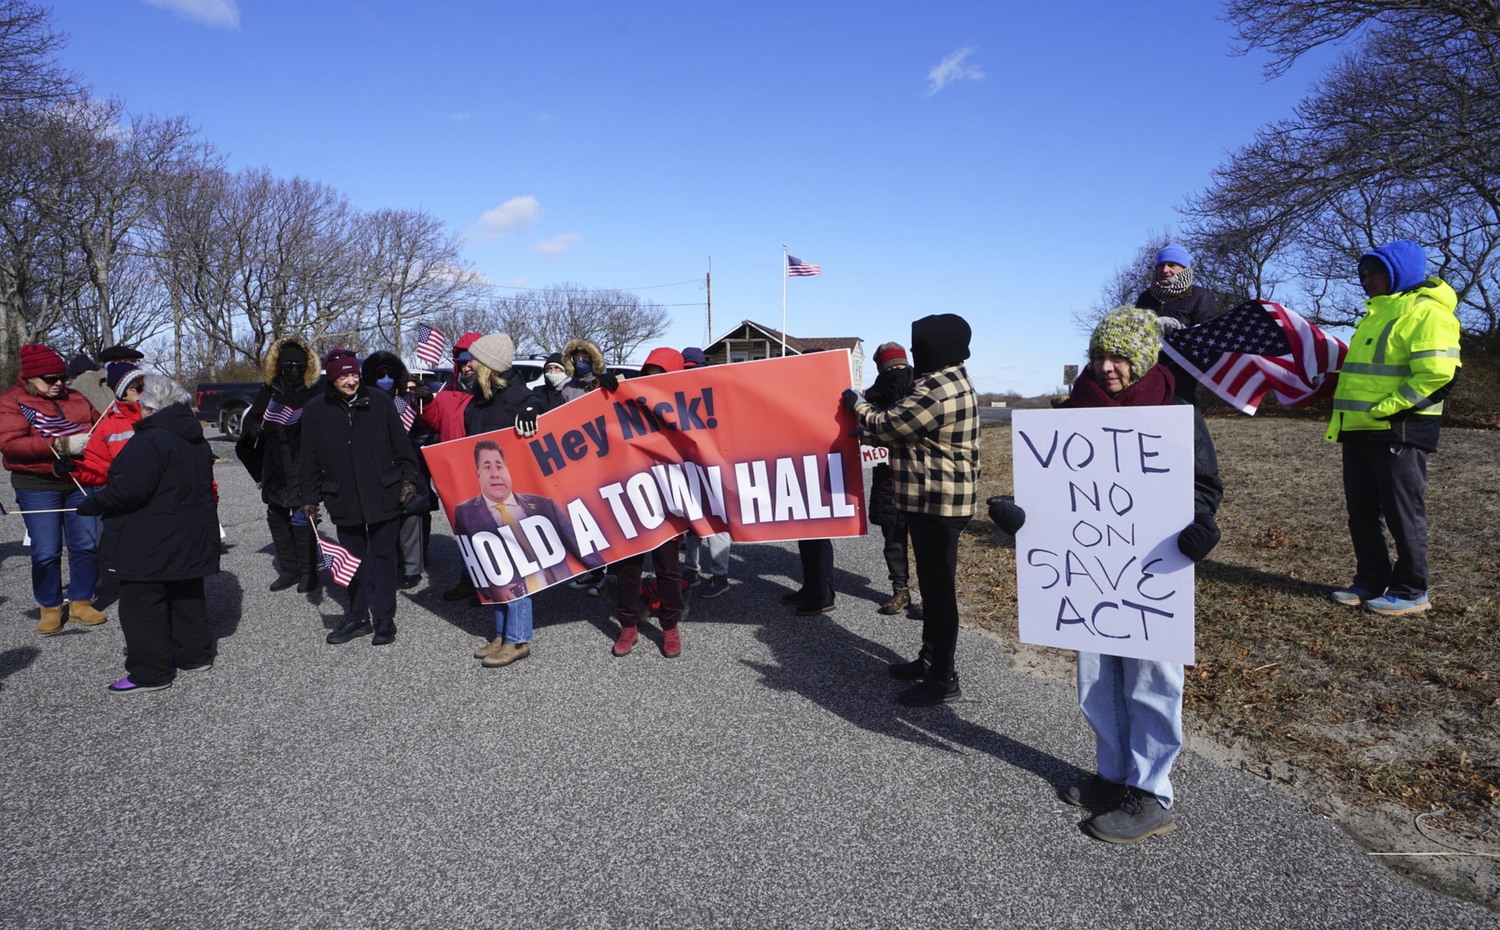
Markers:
671,643
625,641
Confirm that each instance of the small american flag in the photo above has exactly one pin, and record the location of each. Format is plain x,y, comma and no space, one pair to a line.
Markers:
1259,346
340,562
430,344
407,412
285,414
51,426
797,268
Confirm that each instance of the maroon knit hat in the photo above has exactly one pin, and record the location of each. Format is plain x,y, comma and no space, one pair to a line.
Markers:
38,360
340,362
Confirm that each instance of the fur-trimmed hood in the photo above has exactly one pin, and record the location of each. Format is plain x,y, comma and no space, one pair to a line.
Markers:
383,359
596,357
272,362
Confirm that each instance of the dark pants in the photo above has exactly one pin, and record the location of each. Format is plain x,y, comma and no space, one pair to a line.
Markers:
292,537
934,542
668,586
817,567
166,628
895,554
1384,489
372,591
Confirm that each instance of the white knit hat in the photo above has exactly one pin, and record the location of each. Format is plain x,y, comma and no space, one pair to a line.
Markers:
495,351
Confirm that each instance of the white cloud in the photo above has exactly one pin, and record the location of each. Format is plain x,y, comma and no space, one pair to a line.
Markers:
951,69
221,14
513,216
551,248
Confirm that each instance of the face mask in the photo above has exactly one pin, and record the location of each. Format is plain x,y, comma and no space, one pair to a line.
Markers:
386,383
583,367
555,378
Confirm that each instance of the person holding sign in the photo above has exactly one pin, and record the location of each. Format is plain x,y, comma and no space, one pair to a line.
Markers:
1133,705
933,433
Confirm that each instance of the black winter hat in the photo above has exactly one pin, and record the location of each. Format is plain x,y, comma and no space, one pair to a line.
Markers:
939,341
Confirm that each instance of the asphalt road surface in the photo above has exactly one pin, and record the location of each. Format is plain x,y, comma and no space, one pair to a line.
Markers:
765,778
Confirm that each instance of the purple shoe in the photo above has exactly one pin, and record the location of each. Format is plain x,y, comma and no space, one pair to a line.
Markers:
126,686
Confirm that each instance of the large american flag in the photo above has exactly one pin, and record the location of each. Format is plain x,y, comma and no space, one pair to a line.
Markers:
51,426
340,562
1257,347
797,268
430,345
407,412
285,414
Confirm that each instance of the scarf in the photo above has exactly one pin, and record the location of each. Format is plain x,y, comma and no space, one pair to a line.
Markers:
1156,388
1168,291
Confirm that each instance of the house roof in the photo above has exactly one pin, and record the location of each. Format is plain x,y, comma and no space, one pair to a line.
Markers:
800,344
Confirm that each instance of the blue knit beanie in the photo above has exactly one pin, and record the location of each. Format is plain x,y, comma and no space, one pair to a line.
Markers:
1177,254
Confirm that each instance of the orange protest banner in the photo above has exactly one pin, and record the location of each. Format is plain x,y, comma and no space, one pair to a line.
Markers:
761,450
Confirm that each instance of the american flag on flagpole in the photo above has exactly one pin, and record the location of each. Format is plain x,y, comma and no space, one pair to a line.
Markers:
285,414
340,562
1257,347
797,268
406,411
430,345
51,426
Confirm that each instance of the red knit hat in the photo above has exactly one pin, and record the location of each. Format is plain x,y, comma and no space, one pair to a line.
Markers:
340,362
888,354
464,341
665,358
38,360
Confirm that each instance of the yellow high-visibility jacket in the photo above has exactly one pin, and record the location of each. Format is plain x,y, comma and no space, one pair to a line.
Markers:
1401,364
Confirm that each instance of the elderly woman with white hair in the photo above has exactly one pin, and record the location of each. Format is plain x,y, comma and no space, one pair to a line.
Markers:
161,538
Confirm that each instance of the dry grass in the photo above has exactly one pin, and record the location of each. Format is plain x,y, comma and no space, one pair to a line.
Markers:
1355,711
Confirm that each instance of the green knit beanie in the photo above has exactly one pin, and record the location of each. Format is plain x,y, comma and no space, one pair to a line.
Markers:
1131,333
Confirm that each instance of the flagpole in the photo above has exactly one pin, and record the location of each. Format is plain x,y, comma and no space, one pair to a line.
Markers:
783,299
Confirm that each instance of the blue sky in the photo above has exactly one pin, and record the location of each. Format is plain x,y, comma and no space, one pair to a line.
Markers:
998,161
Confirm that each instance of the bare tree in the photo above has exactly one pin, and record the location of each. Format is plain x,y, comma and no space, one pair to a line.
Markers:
1125,284
543,320
415,272
29,74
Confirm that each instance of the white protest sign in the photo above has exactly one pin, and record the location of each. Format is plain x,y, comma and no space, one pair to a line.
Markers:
1106,491
870,456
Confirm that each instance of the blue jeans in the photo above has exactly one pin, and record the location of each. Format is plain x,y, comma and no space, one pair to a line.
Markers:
1135,708
513,620
48,532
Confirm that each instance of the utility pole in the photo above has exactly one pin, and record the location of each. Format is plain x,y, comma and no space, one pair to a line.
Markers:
708,283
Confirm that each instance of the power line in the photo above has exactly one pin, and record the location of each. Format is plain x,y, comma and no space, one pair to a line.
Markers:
648,287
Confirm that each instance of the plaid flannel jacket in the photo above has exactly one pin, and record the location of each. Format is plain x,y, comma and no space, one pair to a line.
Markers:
933,434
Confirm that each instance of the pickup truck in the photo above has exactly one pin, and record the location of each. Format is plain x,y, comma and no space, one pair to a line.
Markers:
224,404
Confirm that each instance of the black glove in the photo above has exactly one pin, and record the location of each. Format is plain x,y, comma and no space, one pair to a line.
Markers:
62,468
421,392
526,420
1200,537
608,381
850,398
310,511
89,507
408,491
1006,513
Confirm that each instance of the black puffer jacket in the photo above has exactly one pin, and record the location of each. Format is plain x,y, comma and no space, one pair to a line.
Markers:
272,452
355,454
160,519
420,434
498,411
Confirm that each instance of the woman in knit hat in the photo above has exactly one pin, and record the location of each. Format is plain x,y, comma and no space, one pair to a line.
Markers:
1133,705
1175,296
891,384
42,426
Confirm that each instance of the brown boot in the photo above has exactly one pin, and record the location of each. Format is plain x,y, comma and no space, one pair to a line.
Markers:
83,612
898,602
506,654
51,622
489,648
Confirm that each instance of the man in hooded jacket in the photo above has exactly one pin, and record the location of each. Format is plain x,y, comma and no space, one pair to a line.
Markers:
1387,407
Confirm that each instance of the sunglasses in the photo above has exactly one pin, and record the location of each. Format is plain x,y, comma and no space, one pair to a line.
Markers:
293,366
52,379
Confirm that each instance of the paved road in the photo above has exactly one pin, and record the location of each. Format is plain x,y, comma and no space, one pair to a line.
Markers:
764,779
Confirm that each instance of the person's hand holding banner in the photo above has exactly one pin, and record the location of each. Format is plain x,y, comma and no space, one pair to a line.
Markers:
1199,538
608,381
526,420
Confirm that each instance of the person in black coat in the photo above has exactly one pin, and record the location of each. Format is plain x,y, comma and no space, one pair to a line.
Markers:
270,446
358,461
386,371
891,385
1173,295
161,539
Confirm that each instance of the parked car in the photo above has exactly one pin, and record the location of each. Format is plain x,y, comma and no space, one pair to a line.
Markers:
223,404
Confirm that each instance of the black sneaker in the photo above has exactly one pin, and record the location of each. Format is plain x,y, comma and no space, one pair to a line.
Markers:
461,591
714,586
349,629
796,597
410,581
930,692
1139,816
1094,792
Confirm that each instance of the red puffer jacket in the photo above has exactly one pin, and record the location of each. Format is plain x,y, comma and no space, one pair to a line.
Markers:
113,431
27,451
